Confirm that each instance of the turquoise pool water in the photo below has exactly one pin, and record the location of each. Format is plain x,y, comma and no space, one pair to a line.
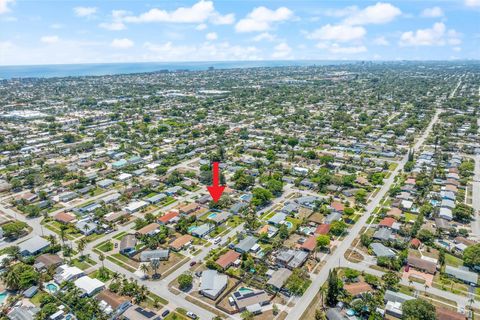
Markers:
3,297
190,229
212,215
244,290
51,287
350,312
289,224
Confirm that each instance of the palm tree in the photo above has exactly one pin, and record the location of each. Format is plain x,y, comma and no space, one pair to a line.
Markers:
81,245
86,227
52,239
155,264
101,257
63,228
144,268
323,291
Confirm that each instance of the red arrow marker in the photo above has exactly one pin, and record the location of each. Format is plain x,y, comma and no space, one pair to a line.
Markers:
216,189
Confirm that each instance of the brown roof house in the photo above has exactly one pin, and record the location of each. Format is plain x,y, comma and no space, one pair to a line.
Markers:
46,261
422,264
112,304
227,259
180,242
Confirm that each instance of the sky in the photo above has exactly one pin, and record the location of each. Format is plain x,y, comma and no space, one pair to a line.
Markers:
36,32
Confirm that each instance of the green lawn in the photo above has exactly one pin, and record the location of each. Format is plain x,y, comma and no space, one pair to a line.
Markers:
83,264
121,264
105,246
410,217
120,235
453,261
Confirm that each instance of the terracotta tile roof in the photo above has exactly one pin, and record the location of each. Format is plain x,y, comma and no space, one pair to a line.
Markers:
387,222
357,288
415,243
310,243
178,243
64,217
323,229
337,206
148,228
227,258
168,216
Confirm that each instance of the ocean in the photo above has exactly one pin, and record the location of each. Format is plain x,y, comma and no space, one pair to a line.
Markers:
100,69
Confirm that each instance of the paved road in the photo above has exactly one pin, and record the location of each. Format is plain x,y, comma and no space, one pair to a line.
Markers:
334,260
476,195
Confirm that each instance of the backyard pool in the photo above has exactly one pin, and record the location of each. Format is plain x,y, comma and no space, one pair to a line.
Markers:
51,287
289,224
3,297
212,215
244,290
191,228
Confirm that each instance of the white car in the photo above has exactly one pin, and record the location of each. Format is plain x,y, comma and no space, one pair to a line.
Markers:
217,240
191,315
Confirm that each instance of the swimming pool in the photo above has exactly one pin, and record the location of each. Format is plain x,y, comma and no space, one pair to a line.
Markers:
3,297
212,215
289,224
191,228
244,290
51,287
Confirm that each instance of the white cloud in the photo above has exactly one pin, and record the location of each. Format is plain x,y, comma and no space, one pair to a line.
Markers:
340,33
113,26
438,35
282,51
472,3
201,26
49,39
381,41
434,12
457,49
261,19
123,43
116,24
84,11
4,5
202,52
211,36
378,13
200,12
5,45
337,48
339,13
264,36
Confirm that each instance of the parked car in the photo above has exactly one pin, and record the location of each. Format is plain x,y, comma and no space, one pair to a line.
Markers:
193,263
165,313
191,315
217,240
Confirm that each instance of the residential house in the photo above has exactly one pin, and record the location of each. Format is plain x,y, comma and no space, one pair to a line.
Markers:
227,259
212,284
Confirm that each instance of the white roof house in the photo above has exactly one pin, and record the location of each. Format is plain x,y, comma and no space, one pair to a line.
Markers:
135,206
124,177
212,283
33,246
88,285
446,214
67,273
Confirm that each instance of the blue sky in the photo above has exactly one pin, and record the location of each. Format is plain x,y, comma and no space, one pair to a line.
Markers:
51,32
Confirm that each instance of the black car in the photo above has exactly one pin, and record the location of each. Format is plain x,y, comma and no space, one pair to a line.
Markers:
165,313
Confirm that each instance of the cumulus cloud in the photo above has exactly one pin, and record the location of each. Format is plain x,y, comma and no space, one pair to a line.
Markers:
169,51
49,39
437,35
261,19
282,51
472,3
378,13
434,12
200,12
339,49
340,33
381,41
5,5
264,36
113,26
211,36
201,26
84,11
123,43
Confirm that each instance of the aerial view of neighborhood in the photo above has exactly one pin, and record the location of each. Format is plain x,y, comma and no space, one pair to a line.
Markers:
331,189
